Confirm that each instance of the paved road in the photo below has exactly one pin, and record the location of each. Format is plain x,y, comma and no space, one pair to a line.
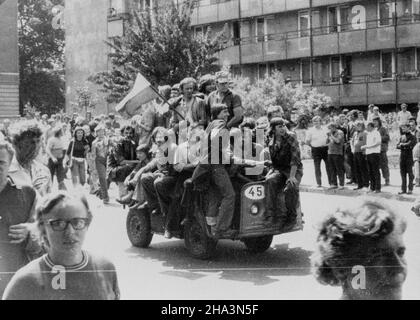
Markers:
166,271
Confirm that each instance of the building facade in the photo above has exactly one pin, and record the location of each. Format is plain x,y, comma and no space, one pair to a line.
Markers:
9,69
89,24
357,52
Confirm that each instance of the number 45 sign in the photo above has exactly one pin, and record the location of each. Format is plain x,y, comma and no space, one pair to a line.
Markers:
256,192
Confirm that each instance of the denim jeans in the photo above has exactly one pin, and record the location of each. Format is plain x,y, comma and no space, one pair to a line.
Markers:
384,166
373,160
78,172
361,172
318,155
406,168
100,166
337,168
58,170
275,184
221,198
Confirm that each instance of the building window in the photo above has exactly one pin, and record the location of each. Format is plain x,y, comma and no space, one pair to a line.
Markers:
347,72
304,24
262,71
387,65
305,71
416,10
345,19
117,7
260,30
335,70
236,33
386,12
332,19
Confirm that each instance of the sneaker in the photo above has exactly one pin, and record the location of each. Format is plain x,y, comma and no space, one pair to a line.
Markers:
341,188
402,192
377,191
410,192
332,187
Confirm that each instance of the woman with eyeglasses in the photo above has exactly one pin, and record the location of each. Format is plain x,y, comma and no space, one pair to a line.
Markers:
66,271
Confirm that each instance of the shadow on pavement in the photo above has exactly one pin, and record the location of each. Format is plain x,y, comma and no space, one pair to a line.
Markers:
231,261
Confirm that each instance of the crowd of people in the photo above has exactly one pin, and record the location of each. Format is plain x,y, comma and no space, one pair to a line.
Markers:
151,157
356,147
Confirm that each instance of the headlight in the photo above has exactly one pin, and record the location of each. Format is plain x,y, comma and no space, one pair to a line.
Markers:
254,209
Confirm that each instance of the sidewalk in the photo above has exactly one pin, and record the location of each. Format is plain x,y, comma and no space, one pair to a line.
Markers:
308,184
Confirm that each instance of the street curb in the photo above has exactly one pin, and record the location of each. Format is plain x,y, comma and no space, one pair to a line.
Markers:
355,193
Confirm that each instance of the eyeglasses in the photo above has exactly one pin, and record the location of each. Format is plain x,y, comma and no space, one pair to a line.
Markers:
76,223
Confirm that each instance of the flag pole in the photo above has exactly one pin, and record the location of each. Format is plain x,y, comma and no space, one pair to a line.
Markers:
166,101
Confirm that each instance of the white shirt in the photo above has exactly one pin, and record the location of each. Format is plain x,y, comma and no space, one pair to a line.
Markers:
403,117
317,137
373,138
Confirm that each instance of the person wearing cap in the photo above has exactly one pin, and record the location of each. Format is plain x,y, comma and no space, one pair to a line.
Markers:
100,148
225,96
285,175
189,107
55,151
403,116
383,162
373,156
406,145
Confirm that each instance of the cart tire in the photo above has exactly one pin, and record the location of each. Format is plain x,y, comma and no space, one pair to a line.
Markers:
138,228
258,244
199,245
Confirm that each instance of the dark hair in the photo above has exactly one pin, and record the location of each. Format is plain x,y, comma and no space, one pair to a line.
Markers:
25,129
248,123
92,126
346,233
204,81
79,129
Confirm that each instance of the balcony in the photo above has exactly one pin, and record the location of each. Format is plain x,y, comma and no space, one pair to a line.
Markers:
206,13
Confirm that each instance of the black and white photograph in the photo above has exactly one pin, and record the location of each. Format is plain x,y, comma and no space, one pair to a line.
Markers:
194,151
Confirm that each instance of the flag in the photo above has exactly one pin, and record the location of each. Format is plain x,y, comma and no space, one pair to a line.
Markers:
141,93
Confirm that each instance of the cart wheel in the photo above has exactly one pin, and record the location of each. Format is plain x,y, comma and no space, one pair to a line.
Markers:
258,244
197,242
138,228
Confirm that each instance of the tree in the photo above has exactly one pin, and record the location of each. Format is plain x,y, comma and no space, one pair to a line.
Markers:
41,56
86,100
161,46
272,90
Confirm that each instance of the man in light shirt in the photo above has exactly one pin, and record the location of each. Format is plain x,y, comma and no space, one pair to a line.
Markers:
316,138
404,115
373,153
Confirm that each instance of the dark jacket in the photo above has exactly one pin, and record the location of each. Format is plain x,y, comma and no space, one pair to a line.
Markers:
407,147
230,99
124,150
17,206
198,111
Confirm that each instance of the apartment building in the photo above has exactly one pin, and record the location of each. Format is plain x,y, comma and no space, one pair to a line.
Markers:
9,69
357,52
